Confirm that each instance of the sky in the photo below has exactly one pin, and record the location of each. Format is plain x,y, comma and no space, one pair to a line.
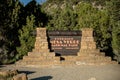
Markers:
26,1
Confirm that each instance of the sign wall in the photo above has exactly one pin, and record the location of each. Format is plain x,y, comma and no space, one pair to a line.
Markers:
65,42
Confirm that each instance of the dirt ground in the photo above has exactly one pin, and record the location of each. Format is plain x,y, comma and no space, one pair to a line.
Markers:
103,72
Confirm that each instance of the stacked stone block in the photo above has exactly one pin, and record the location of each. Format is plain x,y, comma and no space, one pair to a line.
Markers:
40,55
41,43
88,52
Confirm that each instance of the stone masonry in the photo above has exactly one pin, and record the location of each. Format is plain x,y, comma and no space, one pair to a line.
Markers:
88,50
88,45
42,57
88,54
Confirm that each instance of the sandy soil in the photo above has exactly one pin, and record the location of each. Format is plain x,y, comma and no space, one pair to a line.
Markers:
103,72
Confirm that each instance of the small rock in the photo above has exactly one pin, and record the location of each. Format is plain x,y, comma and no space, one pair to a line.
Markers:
4,73
13,72
92,78
21,76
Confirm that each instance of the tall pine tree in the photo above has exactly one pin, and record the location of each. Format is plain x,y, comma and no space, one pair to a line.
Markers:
9,11
26,38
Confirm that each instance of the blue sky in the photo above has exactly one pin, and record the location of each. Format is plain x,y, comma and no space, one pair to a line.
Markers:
26,1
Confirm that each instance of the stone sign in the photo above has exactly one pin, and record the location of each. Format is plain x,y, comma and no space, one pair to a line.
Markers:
69,43
64,42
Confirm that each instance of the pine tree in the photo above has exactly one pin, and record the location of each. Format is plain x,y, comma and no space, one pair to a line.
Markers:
63,18
35,9
103,33
9,10
92,17
86,15
26,38
114,13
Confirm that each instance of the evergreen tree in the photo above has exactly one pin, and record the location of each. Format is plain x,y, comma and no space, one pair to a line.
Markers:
35,9
92,17
86,15
8,29
102,30
26,38
114,13
63,19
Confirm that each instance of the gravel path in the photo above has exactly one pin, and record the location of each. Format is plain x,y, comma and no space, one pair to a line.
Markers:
104,72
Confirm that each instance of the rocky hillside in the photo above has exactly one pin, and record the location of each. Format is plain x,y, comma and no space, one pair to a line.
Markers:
50,5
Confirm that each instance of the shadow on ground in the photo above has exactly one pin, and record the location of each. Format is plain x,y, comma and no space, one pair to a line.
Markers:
43,78
2,66
26,72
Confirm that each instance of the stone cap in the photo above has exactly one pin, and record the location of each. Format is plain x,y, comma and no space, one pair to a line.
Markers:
87,29
87,32
41,32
